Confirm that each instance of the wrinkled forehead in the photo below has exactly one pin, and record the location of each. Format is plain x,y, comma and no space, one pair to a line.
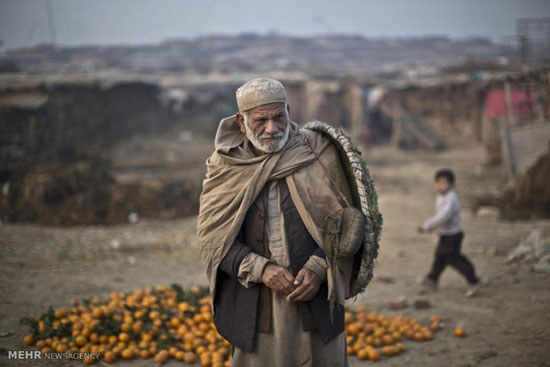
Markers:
267,110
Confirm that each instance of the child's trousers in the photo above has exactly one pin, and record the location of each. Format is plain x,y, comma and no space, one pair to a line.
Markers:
448,253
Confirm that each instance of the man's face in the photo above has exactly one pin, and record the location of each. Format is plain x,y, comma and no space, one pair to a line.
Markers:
266,127
442,185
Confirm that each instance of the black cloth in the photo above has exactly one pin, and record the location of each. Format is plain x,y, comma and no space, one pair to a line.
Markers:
448,253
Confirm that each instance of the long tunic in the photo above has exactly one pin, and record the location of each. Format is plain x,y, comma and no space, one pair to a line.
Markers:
288,344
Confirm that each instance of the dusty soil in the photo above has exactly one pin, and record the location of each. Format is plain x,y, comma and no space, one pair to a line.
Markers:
508,323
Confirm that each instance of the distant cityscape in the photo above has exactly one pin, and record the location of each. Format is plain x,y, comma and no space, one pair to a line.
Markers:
254,53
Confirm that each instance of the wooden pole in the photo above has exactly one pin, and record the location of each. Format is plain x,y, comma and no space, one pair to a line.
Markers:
505,140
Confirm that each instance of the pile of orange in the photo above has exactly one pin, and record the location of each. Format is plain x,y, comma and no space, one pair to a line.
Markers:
169,323
161,323
370,335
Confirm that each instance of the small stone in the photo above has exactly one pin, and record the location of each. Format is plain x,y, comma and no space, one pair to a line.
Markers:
488,212
543,265
115,244
133,217
478,170
492,251
385,279
397,303
421,303
485,354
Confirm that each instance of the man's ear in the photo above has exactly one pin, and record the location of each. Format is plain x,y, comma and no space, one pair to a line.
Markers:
288,110
240,121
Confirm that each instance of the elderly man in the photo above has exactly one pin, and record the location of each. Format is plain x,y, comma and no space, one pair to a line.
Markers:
268,190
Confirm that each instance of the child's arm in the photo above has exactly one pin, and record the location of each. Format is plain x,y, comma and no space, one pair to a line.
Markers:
443,215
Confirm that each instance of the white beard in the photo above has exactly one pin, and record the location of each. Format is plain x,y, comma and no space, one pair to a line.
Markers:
273,147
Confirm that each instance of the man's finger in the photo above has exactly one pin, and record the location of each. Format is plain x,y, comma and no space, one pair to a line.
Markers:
297,292
284,286
299,278
288,276
288,287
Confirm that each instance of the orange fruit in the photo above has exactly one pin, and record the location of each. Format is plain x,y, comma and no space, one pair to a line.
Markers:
97,313
174,322
373,355
362,354
80,340
400,347
161,357
127,353
58,314
126,327
123,337
29,339
460,332
435,318
61,348
40,344
353,329
389,350
434,326
144,354
396,335
137,326
109,356
88,361
189,357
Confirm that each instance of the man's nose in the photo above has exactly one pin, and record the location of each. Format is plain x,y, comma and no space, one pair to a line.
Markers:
271,127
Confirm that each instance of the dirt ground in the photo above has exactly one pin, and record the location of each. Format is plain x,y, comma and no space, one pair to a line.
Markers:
508,323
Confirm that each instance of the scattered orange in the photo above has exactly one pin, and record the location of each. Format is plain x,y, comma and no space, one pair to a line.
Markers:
29,339
460,332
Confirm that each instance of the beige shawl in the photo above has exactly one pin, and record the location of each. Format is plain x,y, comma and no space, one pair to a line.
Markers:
235,176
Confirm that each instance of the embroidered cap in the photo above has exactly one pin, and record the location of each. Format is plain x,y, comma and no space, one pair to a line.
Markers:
257,92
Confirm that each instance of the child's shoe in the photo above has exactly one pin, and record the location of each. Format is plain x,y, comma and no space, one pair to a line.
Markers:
473,289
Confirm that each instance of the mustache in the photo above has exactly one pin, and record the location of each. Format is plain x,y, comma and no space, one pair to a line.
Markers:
280,134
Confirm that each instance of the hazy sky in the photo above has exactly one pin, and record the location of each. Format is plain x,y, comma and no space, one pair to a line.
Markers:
24,22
